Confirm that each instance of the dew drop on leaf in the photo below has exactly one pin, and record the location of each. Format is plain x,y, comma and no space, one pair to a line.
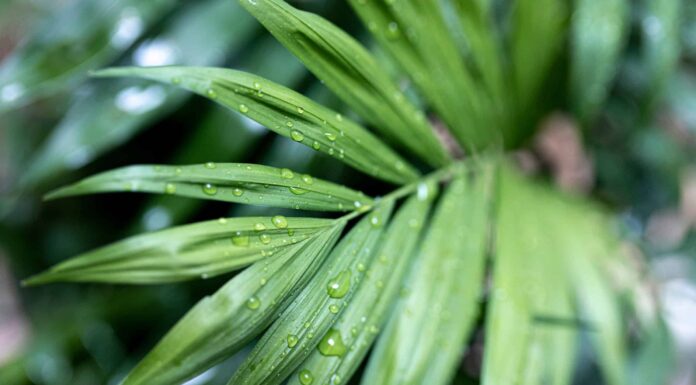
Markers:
297,190
296,135
292,340
286,173
209,189
339,285
330,136
305,377
332,344
170,188
333,308
237,192
259,227
280,221
265,239
307,179
253,302
211,93
243,108
240,239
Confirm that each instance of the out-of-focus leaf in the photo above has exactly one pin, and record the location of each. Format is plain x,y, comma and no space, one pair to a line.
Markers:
307,322
199,250
365,315
546,256
84,36
537,33
287,113
100,118
598,33
661,23
655,361
229,182
424,339
223,323
416,35
351,73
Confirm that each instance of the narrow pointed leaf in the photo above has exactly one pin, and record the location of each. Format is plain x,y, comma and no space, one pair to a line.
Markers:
198,250
598,33
102,117
229,182
352,73
285,112
307,321
86,35
223,323
427,332
365,315
416,35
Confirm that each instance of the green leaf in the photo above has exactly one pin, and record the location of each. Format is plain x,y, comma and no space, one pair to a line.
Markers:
229,182
424,339
416,35
366,313
223,323
86,35
307,321
598,33
352,73
537,35
199,250
661,48
101,118
286,112
546,257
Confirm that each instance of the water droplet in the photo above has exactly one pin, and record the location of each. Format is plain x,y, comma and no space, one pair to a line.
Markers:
263,281
339,285
297,136
305,377
300,110
291,232
259,227
339,117
210,165
253,302
211,93
292,340
209,189
222,221
331,151
170,188
237,192
332,344
354,331
393,31
361,267
240,239
375,221
178,170
330,136
243,108
280,221
373,329
316,145
265,239
422,192
333,308
289,123
297,190
335,379
257,85
286,173
307,179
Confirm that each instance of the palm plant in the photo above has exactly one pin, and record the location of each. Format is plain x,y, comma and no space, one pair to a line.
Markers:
462,240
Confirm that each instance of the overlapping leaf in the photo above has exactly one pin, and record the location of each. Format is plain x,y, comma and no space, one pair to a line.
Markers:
598,33
105,116
423,340
230,182
532,323
286,112
198,250
416,35
307,321
366,313
86,35
351,73
223,323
